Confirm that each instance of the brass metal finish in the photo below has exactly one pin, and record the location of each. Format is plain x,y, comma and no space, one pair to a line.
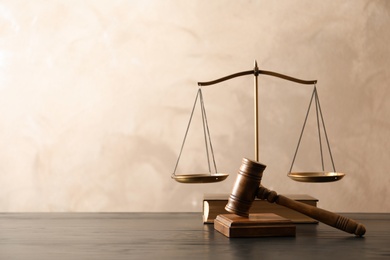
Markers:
235,75
297,176
316,176
256,73
322,176
256,112
264,72
200,178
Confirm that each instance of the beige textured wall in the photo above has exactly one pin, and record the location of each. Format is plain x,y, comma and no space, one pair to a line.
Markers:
95,97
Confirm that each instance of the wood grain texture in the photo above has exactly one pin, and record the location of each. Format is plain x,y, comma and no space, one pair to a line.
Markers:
176,236
256,225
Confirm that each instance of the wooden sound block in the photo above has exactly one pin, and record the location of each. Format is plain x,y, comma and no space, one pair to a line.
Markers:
256,225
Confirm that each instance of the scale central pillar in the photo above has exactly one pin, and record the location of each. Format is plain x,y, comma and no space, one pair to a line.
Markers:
256,110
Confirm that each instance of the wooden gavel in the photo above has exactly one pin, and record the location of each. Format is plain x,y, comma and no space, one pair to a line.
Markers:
247,187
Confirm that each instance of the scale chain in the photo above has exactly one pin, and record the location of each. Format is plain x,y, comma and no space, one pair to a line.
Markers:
206,132
318,115
186,133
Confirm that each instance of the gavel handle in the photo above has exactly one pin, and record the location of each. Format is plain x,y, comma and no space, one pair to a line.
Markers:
324,216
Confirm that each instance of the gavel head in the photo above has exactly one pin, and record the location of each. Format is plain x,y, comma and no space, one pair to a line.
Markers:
245,188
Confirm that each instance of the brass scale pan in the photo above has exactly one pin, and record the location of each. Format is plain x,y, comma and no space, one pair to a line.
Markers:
202,177
316,176
217,177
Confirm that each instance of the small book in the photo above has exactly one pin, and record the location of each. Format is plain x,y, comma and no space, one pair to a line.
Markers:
214,205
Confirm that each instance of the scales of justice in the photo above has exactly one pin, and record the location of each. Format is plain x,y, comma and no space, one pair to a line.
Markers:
248,186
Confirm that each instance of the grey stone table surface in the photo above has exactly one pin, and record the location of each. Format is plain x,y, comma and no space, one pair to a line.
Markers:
177,236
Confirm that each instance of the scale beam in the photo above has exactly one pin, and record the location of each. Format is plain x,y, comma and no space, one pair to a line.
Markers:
258,72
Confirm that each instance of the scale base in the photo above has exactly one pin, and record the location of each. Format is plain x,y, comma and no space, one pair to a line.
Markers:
256,225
